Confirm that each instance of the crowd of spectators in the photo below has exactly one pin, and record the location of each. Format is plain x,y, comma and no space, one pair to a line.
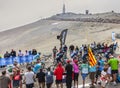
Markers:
70,63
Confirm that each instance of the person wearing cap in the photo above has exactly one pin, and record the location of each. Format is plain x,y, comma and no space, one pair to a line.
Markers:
76,72
114,64
59,74
4,80
69,72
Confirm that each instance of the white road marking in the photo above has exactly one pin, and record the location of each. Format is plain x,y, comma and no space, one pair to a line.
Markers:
55,23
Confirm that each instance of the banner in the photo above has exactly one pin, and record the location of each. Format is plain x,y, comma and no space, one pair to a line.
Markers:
2,62
22,59
8,61
30,58
113,36
19,59
63,36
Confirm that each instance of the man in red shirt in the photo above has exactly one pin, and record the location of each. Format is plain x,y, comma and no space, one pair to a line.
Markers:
59,74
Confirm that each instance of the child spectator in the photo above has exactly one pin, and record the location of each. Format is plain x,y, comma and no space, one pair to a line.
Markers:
104,78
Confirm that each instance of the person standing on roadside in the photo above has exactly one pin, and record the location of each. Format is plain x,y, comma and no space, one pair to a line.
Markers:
54,52
92,71
76,72
49,78
69,72
59,74
114,63
41,78
100,67
29,78
4,80
84,71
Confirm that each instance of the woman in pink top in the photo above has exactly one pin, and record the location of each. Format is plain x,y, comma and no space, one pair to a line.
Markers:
76,72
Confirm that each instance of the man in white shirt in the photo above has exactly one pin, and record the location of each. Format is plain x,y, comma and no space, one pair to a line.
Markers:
29,78
20,53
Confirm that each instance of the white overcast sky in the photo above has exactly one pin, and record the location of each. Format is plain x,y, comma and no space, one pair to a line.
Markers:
15,13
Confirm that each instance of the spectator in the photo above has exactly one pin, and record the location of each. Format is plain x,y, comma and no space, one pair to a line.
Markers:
76,72
104,78
41,78
77,49
17,78
49,78
37,66
113,62
16,66
6,55
4,80
34,52
92,71
99,68
84,71
30,52
111,49
71,48
59,73
26,53
109,72
29,78
20,53
13,53
54,52
69,72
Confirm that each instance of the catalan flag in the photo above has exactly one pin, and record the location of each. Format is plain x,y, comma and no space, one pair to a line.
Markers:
92,60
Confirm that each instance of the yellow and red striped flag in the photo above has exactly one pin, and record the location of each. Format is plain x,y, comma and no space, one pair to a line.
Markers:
92,59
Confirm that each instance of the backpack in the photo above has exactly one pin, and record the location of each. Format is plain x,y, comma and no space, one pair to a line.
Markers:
49,77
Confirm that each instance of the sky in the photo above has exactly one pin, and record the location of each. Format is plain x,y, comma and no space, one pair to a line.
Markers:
14,13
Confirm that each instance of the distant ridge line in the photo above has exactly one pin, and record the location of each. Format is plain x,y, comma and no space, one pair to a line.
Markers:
109,17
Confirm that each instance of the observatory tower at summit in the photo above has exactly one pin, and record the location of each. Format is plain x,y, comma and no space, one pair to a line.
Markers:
63,11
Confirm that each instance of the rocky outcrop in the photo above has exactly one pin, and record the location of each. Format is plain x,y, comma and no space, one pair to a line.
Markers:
102,18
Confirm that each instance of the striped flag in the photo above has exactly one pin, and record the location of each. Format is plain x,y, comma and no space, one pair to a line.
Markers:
92,60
